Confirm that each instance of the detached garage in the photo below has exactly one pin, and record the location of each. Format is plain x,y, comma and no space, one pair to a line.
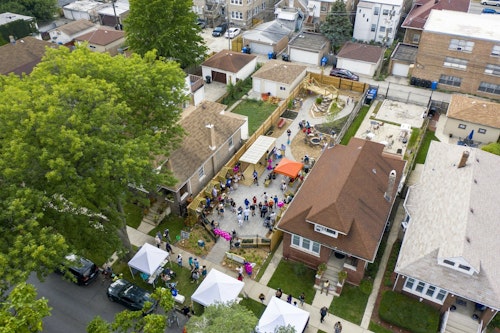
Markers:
267,37
278,78
308,48
402,59
229,66
360,58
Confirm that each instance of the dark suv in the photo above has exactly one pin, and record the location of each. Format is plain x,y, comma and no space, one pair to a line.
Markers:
84,270
219,30
344,73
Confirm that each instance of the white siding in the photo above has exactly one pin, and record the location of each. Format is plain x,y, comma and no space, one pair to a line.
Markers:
307,57
400,69
358,67
261,48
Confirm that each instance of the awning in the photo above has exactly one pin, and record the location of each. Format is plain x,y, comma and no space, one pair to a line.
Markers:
258,149
288,168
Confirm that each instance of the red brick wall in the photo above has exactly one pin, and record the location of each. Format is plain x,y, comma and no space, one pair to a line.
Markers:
301,256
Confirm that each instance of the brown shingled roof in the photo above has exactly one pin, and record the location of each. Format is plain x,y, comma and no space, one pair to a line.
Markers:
22,56
75,27
280,71
419,14
345,192
474,110
229,61
102,36
362,52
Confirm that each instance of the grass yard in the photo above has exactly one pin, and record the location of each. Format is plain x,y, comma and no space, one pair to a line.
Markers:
355,125
293,278
236,91
174,223
256,111
352,302
255,306
133,214
424,147
375,328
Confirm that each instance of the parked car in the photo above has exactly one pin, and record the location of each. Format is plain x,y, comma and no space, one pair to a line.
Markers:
130,295
491,2
219,30
489,11
232,32
344,73
201,23
84,270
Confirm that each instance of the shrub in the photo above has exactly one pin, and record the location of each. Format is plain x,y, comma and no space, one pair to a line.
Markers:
319,100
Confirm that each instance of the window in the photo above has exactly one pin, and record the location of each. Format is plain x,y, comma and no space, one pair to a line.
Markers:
495,51
420,287
461,126
282,88
455,63
481,131
409,283
492,70
441,294
465,268
323,8
201,172
237,2
489,88
385,12
305,244
430,291
450,80
237,15
425,290
416,38
231,143
382,29
376,10
374,27
461,45
326,231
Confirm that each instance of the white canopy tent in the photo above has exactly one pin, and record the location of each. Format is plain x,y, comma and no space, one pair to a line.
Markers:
280,313
258,149
217,287
148,259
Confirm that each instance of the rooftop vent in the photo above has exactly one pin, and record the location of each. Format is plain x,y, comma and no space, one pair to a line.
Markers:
463,159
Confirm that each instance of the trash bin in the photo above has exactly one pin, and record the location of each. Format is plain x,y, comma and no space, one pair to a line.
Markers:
434,85
324,60
270,55
208,78
285,57
201,243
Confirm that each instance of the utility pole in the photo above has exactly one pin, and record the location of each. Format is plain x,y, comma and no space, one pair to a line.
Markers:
117,22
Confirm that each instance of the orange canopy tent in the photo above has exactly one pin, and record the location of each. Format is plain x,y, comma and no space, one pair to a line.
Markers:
288,168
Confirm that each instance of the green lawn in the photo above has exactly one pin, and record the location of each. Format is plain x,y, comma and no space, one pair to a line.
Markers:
255,306
377,328
174,223
256,111
355,125
352,302
133,214
424,147
237,91
293,278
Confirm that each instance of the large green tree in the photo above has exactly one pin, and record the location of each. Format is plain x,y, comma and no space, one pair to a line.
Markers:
337,26
41,9
75,134
169,26
217,318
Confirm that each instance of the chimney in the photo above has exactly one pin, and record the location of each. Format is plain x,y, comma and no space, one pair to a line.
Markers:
390,185
211,127
463,160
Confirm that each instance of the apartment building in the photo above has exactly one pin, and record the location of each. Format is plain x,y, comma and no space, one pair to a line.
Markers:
461,52
242,13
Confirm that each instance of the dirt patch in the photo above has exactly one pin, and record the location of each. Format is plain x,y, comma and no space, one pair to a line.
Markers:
191,244
301,146
257,256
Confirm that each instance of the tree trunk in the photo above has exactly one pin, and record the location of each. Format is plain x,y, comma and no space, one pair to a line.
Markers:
122,233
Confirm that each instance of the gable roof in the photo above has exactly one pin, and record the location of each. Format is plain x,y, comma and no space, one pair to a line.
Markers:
474,110
418,15
361,52
454,214
194,150
345,191
22,56
102,36
229,61
280,71
76,27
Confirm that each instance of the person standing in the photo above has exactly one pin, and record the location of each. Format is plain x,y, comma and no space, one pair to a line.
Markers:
196,264
302,299
246,214
179,260
168,247
325,286
190,263
262,298
157,241
323,312
289,299
338,327
255,177
279,293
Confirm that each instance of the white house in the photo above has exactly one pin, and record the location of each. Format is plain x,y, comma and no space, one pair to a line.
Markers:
267,37
360,58
278,78
229,66
68,32
308,48
377,20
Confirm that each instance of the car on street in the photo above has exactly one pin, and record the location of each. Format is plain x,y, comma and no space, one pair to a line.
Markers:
219,30
489,11
130,295
344,73
491,2
201,23
84,270
232,32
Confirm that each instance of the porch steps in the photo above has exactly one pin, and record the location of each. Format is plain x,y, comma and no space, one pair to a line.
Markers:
333,267
153,217
461,323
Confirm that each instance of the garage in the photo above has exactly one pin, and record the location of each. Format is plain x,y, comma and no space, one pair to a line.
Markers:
400,69
304,56
261,48
270,87
219,77
308,48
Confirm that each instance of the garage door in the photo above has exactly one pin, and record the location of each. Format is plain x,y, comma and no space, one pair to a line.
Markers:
304,56
270,87
219,77
260,48
400,69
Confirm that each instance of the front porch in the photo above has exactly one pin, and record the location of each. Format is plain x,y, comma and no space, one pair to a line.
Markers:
462,317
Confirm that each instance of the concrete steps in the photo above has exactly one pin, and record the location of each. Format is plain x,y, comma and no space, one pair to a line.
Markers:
461,323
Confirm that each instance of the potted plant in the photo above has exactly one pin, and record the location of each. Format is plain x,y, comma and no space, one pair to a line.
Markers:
342,277
319,273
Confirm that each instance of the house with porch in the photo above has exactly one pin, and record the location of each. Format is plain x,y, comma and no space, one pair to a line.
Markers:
340,213
449,254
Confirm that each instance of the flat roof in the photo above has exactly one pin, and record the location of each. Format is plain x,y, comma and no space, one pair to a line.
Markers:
405,52
11,17
463,24
83,6
309,41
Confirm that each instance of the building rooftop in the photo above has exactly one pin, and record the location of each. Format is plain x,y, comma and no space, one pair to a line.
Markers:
361,52
84,5
229,61
420,12
22,56
11,17
280,71
309,41
102,36
474,110
405,52
268,32
365,3
468,25
75,27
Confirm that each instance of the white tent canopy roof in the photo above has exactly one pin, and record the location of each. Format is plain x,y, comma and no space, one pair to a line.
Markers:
148,259
217,287
280,313
258,149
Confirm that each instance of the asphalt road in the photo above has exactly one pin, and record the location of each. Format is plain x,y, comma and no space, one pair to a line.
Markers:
73,306
476,7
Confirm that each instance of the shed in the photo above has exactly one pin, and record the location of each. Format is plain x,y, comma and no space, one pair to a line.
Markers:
258,149
84,9
229,66
308,48
278,78
360,58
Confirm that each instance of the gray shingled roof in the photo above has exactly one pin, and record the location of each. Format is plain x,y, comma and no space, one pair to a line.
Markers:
280,71
361,52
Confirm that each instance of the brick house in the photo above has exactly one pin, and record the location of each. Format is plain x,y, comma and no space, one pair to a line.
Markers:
449,255
342,208
242,13
461,51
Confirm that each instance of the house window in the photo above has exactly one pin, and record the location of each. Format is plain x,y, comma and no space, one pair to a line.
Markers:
323,8
420,287
416,38
237,2
409,283
231,143
481,131
385,12
461,45
450,80
376,10
455,63
201,172
492,70
326,231
461,126
237,15
305,244
382,29
489,88
425,290
465,268
495,51
441,294
430,291
373,28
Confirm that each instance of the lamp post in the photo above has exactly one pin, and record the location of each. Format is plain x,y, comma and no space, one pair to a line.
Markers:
117,22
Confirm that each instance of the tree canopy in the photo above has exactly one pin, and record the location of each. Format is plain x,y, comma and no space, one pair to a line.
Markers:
41,9
217,318
337,26
169,26
74,135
